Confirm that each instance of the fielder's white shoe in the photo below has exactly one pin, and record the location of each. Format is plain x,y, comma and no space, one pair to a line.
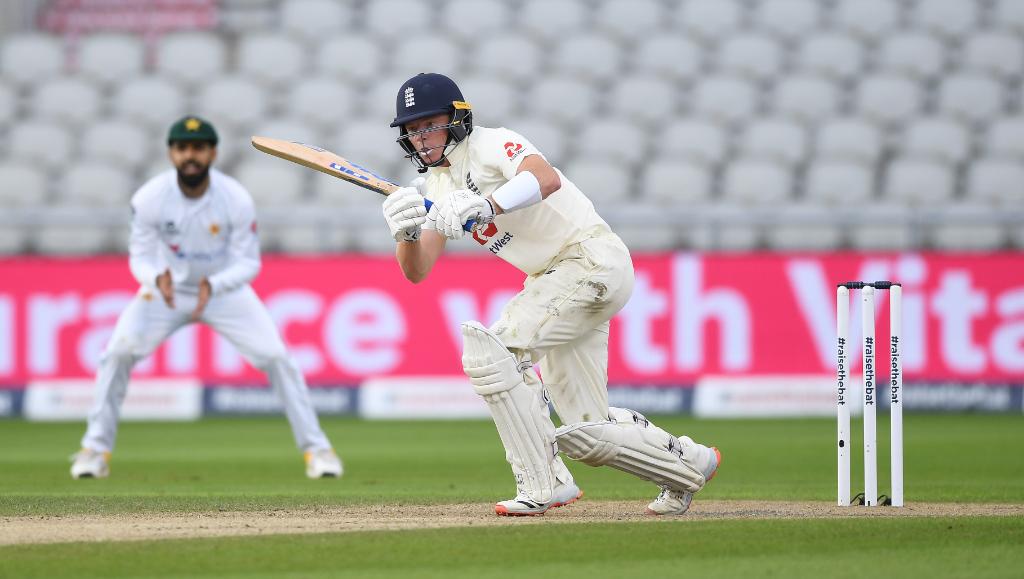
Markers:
323,464
523,506
670,502
89,463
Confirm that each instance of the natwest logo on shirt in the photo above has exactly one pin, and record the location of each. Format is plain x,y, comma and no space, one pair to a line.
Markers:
513,150
484,235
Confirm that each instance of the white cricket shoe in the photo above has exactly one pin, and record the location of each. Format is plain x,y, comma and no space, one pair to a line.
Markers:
89,463
323,463
670,502
523,506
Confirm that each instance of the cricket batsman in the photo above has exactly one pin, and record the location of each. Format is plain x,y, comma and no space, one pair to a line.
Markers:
194,250
578,275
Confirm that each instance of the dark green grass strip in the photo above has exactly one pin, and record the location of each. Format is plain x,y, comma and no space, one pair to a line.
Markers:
933,548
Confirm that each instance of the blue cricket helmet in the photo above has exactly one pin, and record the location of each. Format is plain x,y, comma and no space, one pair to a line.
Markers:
426,95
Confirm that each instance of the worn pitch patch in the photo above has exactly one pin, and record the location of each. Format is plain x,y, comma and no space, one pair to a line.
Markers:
154,526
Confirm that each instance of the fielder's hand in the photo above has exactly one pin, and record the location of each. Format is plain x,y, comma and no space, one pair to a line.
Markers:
166,287
405,212
462,206
204,297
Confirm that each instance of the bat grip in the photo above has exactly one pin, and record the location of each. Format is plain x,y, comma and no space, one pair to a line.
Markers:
469,224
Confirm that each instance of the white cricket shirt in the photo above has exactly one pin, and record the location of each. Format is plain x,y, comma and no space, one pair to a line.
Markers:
529,238
213,236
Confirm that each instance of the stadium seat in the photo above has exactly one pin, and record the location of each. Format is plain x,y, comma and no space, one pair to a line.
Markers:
676,182
1005,138
605,183
798,227
936,139
192,58
692,139
95,184
490,58
272,184
274,60
120,142
31,58
755,57
390,19
111,58
749,182
315,238
629,20
562,100
416,54
967,227
648,237
69,100
473,20
43,143
724,227
971,98
919,183
548,138
13,240
835,56
915,54
849,139
998,54
80,238
950,19
996,181
668,56
724,99
1009,14
807,99
839,183
646,98
889,100
24,185
314,21
589,57
320,101
776,140
351,58
616,140
493,101
150,100
869,20
549,20
885,227
788,19
234,101
335,195
8,106
709,22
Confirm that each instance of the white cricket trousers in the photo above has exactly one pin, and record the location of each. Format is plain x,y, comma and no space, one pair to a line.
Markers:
560,321
240,317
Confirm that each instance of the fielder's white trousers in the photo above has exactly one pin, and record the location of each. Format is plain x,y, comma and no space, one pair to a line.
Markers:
240,317
560,321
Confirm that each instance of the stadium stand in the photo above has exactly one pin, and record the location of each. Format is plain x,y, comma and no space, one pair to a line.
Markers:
891,124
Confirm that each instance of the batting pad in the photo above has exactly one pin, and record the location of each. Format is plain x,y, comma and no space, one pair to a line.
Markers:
519,412
630,443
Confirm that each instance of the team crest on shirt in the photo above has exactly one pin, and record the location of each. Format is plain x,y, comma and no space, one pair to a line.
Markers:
214,229
471,185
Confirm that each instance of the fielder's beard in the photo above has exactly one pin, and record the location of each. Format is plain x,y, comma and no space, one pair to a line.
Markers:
194,179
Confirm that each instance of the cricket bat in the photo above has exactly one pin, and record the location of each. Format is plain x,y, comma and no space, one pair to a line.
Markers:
332,164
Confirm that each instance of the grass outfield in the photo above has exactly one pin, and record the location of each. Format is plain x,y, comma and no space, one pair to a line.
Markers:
251,465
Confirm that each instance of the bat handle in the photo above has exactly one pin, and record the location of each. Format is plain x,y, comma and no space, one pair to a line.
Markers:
469,224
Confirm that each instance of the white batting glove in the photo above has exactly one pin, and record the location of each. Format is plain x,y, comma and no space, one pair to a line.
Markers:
405,212
463,205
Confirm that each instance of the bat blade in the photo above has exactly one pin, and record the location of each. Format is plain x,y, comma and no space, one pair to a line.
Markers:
324,161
